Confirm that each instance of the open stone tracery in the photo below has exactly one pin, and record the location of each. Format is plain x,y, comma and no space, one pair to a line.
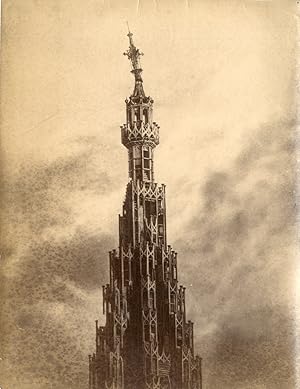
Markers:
146,343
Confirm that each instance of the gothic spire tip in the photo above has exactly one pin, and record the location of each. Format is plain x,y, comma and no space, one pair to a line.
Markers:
134,55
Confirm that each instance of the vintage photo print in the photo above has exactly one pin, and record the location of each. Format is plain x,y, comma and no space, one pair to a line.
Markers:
149,194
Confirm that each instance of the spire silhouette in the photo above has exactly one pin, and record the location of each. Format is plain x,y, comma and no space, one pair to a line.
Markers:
134,54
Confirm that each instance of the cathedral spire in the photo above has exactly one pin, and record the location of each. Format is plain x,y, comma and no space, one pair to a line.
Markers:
146,342
134,55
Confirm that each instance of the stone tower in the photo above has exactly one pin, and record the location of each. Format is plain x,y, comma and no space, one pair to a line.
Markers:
147,342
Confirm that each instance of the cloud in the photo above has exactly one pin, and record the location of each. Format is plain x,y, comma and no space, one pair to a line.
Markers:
40,190
52,278
240,241
253,349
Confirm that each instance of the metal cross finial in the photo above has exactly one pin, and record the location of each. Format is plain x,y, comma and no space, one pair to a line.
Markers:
133,53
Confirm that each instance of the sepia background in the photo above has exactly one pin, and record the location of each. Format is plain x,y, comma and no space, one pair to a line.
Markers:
222,75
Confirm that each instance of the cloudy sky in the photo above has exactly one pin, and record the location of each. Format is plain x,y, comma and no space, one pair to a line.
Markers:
222,77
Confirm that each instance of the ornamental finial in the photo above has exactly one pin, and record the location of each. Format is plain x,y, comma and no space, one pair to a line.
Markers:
133,54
